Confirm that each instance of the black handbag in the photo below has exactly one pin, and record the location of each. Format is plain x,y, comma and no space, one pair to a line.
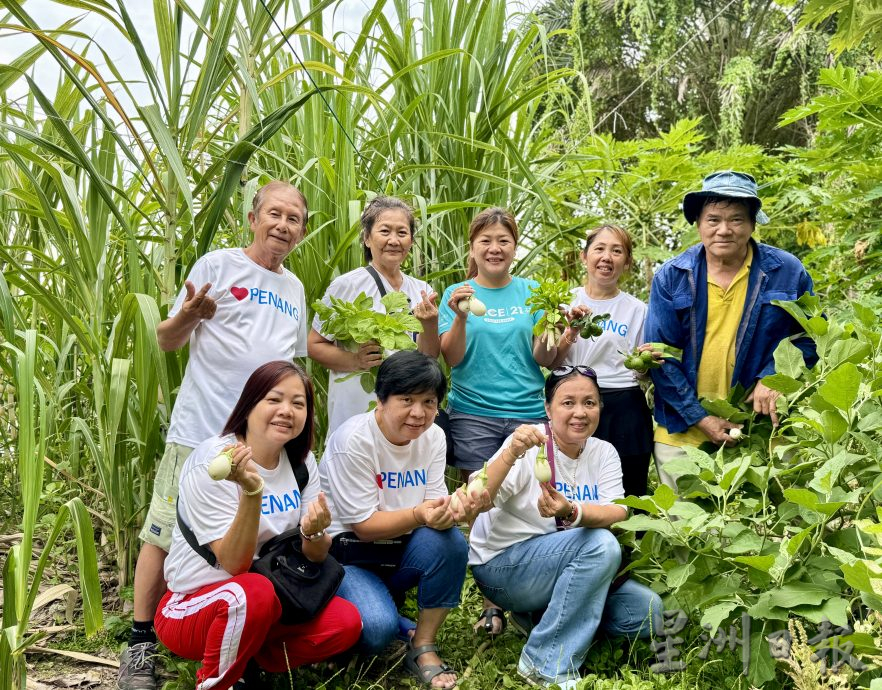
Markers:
380,556
303,587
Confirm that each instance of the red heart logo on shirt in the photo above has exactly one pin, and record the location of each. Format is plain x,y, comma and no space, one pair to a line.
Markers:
239,293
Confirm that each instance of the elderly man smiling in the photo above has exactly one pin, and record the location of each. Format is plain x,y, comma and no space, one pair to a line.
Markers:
715,302
238,309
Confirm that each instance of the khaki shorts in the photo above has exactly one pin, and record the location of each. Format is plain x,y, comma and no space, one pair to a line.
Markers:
161,517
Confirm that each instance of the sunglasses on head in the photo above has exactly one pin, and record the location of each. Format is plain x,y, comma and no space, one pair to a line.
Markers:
578,368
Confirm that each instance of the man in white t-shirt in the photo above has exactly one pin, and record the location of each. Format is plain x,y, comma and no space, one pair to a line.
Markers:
248,311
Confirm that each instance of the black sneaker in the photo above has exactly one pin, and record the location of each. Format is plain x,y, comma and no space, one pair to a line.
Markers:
136,667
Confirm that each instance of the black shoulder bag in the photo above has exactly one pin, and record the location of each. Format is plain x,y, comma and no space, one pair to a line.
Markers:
304,588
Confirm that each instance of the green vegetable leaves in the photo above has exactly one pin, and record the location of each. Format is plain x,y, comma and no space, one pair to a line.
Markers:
354,323
548,296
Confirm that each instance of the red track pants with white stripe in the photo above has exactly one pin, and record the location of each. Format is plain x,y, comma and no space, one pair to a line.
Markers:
230,622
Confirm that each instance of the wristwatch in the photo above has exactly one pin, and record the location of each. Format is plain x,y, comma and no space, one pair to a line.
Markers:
313,537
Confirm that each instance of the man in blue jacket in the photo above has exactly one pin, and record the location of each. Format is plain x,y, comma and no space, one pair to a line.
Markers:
714,301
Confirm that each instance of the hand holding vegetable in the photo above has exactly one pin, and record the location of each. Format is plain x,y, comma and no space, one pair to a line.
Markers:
316,517
465,504
548,297
435,513
650,356
718,429
552,503
368,355
526,436
571,332
588,326
463,302
234,463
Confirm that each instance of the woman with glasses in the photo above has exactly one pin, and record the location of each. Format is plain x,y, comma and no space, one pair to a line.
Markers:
626,421
544,550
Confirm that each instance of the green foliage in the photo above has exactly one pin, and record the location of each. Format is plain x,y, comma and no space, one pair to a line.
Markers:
785,522
855,22
354,323
548,297
735,65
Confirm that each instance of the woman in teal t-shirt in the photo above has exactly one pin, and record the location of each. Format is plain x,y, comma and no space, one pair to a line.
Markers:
495,376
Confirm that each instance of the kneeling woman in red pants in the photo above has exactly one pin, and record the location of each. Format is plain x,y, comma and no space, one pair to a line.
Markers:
226,615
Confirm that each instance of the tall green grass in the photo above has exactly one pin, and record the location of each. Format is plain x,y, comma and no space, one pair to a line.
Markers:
110,195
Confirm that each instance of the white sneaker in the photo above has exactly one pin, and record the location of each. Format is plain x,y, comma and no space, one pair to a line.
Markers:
531,677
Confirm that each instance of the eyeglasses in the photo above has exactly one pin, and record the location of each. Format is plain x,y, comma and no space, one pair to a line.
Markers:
578,368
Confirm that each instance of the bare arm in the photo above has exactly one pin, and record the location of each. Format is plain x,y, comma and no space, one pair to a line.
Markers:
235,550
388,524
543,356
174,332
601,516
453,342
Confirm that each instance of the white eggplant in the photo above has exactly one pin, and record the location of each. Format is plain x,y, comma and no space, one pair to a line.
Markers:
473,305
221,466
541,468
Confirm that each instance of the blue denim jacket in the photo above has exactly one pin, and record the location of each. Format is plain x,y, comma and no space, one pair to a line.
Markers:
678,316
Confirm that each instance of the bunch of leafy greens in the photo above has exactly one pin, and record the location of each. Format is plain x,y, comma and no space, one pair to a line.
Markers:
548,296
354,323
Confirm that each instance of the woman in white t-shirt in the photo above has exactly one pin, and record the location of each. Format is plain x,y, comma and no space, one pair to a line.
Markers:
626,421
223,614
544,551
393,526
387,227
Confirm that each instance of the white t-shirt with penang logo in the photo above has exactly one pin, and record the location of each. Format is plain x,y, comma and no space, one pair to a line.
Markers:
260,317
362,472
595,477
348,398
208,508
622,332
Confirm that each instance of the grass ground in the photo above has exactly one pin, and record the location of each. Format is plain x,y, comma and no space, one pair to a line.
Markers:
481,664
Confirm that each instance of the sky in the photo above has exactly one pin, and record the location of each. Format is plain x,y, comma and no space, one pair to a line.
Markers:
342,21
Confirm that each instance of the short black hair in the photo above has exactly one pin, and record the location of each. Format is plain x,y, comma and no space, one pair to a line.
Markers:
410,372
752,205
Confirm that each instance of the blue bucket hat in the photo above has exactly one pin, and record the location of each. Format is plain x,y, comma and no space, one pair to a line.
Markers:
726,183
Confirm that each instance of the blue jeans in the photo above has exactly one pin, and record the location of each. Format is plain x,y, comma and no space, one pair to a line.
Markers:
434,562
566,573
632,611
